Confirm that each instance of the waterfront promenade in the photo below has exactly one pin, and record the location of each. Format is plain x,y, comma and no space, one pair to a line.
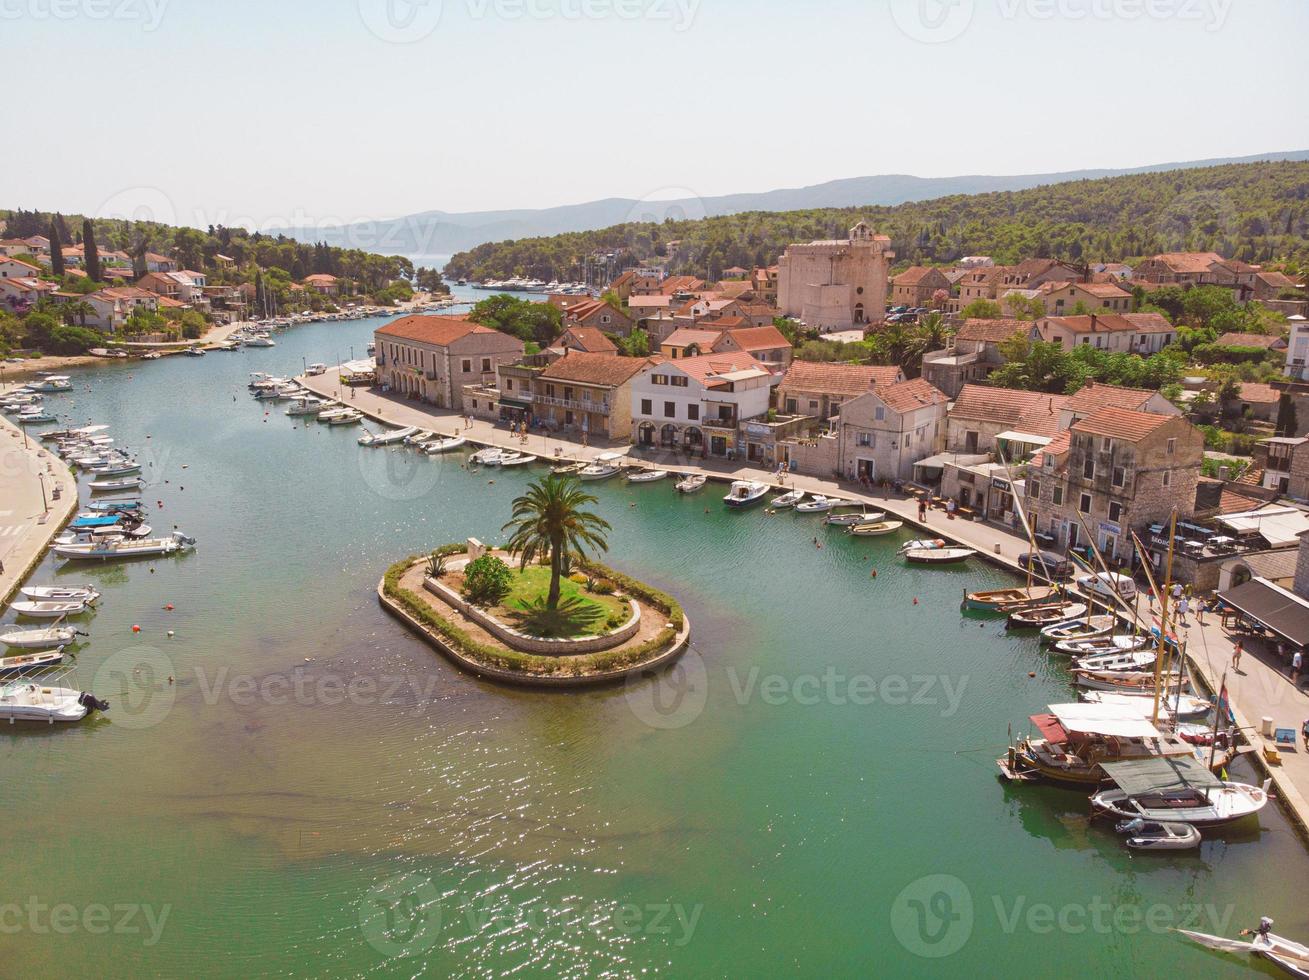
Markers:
1260,689
29,513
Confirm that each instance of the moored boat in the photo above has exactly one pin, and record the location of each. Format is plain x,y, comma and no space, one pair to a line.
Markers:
1176,790
387,438
646,476
26,700
28,662
516,459
49,608
1117,643
745,493
788,499
1129,681
56,593
1290,956
817,504
1133,660
115,486
875,529
849,518
1177,705
39,639
125,548
1150,835
1086,628
938,556
994,599
1045,614
691,483
436,446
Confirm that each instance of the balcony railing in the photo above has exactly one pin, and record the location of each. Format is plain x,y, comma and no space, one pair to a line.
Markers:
579,406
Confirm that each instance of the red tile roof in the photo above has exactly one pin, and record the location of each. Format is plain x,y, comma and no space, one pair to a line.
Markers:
1092,397
909,395
1266,341
1189,261
1057,448
438,330
1119,423
1149,322
704,367
991,331
757,338
595,369
1033,412
1094,323
589,339
686,336
1252,391
838,379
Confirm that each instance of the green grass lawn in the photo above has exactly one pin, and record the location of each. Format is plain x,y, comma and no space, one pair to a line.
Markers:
580,613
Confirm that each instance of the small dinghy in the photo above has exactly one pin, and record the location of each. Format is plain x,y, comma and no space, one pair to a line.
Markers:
646,476
516,459
995,599
437,446
48,608
692,483
744,493
12,666
1044,615
54,636
57,593
1150,835
787,500
1134,660
108,506
346,418
875,529
1072,630
938,556
117,469
850,518
817,504
1120,643
419,437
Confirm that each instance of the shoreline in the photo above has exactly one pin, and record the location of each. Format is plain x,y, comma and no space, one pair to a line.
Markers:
23,558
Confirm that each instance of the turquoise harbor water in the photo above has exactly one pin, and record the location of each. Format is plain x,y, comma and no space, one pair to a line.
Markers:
813,792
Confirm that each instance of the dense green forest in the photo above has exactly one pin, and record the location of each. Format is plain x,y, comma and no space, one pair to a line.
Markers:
1257,212
196,249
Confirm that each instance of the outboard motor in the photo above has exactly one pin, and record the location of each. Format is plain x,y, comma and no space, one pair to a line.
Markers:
91,703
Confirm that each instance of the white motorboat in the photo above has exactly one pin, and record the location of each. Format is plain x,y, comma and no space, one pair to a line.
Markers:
922,544
125,548
116,469
1134,660
48,608
490,456
646,476
1119,643
851,518
1074,630
349,417
516,459
1177,705
1150,835
875,529
306,406
745,493
113,486
938,556
40,639
28,662
437,446
25,700
52,383
1203,806
789,499
691,483
817,504
260,340
387,438
56,593
598,471
33,418
194,352
327,415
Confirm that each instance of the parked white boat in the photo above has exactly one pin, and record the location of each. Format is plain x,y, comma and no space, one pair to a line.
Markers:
389,438
598,471
57,593
789,499
345,418
33,418
1205,806
443,445
332,413
24,700
51,384
1075,630
938,556
126,548
744,493
490,456
28,662
419,437
1135,660
817,504
516,459
110,486
116,469
691,483
48,608
851,518
306,406
646,476
1120,643
922,544
875,529
39,639
1292,957
1128,681
1150,835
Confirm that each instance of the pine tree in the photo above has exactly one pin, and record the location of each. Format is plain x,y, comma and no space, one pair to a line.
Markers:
56,250
92,256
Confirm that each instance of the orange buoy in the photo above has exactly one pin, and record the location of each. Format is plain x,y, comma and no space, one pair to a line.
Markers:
136,629
874,573
915,600
169,606
1031,673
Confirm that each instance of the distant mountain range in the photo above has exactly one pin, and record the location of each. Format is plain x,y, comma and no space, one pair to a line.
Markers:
438,232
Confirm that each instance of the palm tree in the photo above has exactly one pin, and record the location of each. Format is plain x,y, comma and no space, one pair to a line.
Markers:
549,520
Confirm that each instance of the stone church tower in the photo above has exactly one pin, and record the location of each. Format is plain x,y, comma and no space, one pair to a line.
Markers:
836,285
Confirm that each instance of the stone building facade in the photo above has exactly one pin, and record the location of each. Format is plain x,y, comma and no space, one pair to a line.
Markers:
434,358
836,285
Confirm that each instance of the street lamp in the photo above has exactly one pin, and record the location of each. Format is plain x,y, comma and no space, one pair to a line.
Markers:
44,506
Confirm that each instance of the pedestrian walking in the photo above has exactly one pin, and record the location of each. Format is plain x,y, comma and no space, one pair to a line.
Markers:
1237,650
1200,606
1297,660
1177,592
922,510
1182,608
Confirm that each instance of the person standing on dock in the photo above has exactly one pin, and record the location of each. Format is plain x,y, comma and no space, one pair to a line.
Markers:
1297,660
1237,650
922,510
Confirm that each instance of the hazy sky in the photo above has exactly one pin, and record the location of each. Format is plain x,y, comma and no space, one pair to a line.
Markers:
291,111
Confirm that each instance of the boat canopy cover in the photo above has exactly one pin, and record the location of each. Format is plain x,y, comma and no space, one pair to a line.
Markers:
1115,720
1050,729
1173,773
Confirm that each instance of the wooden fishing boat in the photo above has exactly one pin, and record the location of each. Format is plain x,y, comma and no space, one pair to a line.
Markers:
10,666
789,499
1120,643
993,599
567,469
1133,660
646,476
1129,681
1209,805
938,556
853,517
1150,835
1086,628
1045,614
875,529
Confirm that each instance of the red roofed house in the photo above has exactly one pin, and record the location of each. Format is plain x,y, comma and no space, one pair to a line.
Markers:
819,389
974,353
114,304
915,286
588,340
433,357
18,269
1135,333
1197,269
588,394
767,345
323,282
1093,396
884,432
982,416
703,405
1121,471
154,262
600,315
21,294
1064,297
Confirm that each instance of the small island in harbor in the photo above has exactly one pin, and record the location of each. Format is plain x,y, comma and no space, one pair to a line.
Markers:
540,611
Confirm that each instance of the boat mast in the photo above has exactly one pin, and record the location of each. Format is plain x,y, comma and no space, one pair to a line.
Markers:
1163,613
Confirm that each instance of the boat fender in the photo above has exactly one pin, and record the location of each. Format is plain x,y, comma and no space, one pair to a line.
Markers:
170,633
168,606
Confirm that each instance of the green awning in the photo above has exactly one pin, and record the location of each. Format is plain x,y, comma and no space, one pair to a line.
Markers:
1172,773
